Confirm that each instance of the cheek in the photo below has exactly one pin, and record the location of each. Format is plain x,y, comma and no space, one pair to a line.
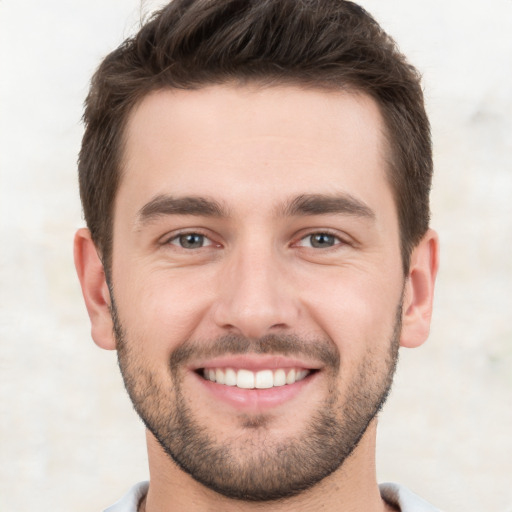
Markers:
358,314
160,309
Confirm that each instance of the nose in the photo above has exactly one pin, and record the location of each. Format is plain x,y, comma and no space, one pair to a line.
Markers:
256,295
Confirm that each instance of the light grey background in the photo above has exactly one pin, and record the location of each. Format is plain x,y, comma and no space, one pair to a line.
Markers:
69,439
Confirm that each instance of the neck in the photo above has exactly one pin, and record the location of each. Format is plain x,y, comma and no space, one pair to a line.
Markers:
353,486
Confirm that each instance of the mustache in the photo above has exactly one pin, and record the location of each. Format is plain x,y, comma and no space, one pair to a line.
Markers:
319,349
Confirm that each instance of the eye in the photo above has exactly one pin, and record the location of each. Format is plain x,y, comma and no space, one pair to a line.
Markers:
319,241
191,241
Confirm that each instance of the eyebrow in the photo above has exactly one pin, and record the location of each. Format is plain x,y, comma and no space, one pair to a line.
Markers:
323,204
162,205
303,205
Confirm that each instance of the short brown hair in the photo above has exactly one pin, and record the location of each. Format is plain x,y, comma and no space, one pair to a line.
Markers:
332,44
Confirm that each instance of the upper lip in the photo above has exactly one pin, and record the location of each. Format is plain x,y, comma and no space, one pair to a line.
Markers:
256,362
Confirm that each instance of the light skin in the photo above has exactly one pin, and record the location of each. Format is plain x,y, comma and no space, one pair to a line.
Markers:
255,212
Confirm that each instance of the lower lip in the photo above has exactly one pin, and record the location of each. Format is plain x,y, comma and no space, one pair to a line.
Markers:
257,398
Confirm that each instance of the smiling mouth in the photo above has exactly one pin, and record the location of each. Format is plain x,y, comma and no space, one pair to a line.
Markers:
262,379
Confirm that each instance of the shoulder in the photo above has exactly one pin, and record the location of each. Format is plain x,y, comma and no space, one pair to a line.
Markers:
404,499
130,501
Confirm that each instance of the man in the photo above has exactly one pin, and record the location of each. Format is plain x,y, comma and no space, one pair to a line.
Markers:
255,178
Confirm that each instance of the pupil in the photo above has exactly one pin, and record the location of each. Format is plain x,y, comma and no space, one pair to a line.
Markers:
322,240
191,241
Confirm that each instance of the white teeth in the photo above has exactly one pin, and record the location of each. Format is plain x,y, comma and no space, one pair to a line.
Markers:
245,379
219,376
301,374
262,379
279,378
230,377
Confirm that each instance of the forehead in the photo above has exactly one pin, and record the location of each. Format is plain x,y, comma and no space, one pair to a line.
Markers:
251,146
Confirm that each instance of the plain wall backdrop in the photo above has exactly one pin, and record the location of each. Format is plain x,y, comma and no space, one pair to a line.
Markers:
69,439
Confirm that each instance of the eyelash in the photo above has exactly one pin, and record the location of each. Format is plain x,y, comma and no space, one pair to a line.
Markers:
176,239
326,233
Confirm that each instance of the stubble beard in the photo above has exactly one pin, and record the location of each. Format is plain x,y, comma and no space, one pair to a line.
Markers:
257,467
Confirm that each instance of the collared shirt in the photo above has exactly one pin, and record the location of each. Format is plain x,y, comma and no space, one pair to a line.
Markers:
394,494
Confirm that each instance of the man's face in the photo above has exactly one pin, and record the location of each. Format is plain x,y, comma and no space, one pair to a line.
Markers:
256,280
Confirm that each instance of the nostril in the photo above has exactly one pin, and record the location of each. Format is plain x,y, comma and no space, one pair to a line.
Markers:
279,326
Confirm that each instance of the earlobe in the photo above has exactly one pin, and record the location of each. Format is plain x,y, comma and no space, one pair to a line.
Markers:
94,289
419,291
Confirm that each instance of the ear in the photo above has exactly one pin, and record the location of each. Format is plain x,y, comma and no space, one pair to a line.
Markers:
419,291
94,289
